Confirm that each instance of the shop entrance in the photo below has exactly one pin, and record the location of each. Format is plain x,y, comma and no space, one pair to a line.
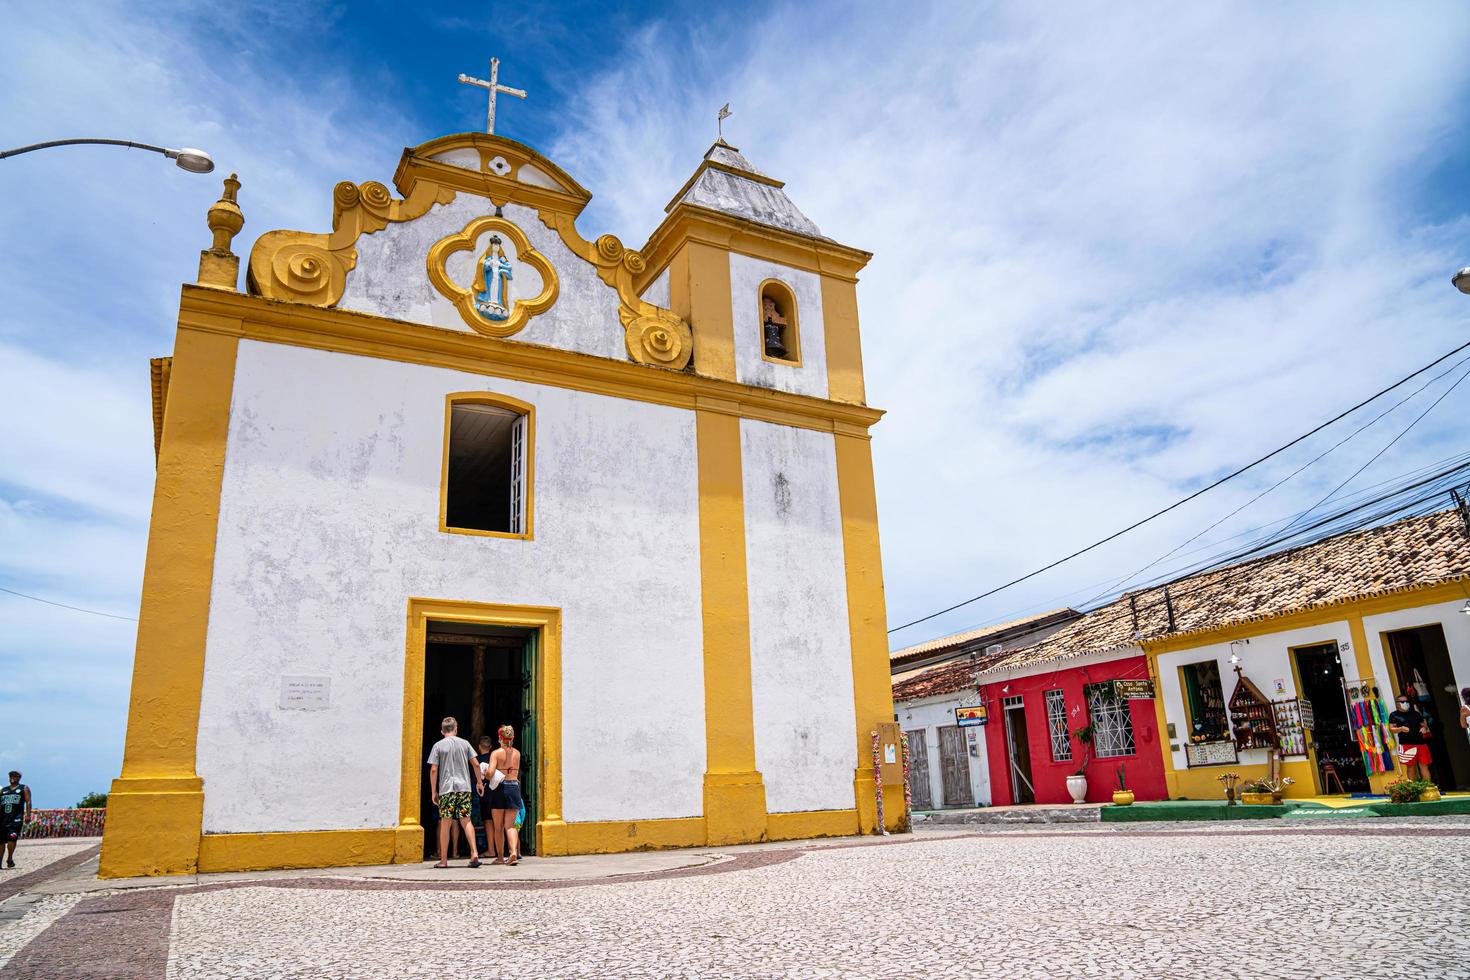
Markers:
1319,678
1421,662
1018,751
483,676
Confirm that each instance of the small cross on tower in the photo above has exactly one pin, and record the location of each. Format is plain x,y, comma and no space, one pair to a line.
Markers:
495,88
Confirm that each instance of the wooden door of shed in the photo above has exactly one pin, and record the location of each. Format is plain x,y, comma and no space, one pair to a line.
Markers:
954,767
919,788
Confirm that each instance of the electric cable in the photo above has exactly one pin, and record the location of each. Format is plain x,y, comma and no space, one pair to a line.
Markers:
62,605
1184,500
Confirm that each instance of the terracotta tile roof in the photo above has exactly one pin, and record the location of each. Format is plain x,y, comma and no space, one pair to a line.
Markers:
1408,554
946,678
971,636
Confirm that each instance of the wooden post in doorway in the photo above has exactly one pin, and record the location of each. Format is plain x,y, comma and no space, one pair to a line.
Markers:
477,703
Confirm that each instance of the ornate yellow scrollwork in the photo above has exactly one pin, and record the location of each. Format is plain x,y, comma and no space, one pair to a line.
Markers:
653,335
661,339
302,267
464,298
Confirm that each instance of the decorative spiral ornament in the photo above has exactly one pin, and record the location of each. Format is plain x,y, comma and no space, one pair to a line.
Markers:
609,248
634,262
376,196
660,341
308,273
345,195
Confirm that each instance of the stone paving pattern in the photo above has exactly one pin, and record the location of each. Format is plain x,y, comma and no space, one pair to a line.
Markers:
1145,901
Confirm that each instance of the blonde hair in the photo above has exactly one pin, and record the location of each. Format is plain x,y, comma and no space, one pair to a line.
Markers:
507,733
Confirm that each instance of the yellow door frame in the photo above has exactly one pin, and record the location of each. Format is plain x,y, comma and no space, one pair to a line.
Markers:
546,811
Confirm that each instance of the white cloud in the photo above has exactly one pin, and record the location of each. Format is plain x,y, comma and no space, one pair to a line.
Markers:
1113,255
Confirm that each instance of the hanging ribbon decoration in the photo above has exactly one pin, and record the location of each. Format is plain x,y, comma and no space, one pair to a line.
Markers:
908,793
878,783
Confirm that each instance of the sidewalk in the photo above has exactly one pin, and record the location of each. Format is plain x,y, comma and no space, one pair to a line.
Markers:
1029,813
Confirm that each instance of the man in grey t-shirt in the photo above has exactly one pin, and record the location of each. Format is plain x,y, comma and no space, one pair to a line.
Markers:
452,772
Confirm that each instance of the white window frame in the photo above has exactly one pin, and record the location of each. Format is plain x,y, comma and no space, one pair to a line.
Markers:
1056,725
1112,725
518,475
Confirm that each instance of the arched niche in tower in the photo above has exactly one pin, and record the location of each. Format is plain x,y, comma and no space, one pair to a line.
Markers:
780,330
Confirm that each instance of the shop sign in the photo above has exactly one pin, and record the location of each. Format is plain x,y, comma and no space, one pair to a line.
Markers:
971,715
1135,690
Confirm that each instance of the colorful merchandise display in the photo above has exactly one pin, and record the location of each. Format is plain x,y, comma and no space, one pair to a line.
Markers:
65,823
1369,718
1291,738
908,793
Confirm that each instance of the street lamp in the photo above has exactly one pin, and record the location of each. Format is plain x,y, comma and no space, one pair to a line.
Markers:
1461,280
187,158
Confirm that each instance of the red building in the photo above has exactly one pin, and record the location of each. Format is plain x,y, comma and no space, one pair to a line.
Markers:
1034,712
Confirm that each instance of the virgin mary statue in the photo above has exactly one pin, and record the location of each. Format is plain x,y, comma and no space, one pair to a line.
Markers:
493,300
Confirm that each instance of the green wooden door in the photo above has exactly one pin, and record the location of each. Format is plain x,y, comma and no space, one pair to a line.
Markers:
530,761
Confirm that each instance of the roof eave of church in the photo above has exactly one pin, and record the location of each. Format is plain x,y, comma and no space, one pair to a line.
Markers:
822,255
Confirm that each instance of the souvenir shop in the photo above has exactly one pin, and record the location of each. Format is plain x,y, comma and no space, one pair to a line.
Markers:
1288,708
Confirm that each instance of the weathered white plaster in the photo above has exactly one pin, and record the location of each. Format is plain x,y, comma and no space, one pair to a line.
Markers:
657,292
466,158
1265,659
746,275
1446,615
934,713
391,279
531,174
800,652
328,523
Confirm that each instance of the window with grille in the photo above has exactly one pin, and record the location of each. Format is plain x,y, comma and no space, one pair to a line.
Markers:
1112,722
1056,724
487,466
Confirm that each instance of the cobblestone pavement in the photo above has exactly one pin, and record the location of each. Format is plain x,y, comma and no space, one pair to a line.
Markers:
1145,901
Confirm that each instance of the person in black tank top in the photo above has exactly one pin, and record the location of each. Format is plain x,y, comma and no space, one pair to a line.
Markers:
15,809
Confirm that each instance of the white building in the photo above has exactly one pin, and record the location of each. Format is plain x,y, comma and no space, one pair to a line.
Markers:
451,457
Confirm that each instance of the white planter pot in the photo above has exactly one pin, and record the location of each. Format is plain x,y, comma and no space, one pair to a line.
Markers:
1077,786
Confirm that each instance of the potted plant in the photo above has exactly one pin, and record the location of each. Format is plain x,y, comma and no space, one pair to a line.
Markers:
1256,792
1077,782
1412,791
1122,796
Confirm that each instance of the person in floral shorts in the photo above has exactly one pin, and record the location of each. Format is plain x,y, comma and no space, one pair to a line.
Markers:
453,771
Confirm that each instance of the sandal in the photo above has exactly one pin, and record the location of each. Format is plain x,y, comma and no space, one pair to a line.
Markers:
441,865
515,859
474,863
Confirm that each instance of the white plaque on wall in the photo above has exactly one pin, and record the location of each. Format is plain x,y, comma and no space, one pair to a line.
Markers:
304,693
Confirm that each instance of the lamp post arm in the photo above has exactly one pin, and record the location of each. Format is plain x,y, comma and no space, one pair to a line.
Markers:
41,146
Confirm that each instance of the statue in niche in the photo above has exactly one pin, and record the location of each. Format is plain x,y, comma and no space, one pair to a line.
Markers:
493,301
774,325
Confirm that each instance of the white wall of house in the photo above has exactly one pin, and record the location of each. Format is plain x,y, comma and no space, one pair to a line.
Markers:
931,714
1446,615
1265,659
329,522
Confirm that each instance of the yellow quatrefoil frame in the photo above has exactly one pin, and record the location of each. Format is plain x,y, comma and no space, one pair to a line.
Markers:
464,299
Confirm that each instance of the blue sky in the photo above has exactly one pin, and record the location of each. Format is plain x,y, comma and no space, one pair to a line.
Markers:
1113,256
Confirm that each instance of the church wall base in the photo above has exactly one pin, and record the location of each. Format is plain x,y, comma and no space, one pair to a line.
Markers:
302,849
816,823
735,808
152,827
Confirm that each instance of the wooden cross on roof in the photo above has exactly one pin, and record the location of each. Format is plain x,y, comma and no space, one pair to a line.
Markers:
495,88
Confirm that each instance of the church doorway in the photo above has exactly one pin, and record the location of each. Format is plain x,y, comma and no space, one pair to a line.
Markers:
484,676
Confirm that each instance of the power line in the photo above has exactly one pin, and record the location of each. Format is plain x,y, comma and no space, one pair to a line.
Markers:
62,605
1179,503
1294,473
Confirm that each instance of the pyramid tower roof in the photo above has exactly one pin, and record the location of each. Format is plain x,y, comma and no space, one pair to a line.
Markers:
727,182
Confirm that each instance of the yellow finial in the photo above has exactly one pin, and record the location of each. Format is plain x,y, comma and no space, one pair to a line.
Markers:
218,266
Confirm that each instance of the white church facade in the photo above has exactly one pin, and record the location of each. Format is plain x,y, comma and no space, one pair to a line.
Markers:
451,457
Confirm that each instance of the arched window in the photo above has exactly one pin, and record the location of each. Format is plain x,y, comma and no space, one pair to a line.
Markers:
780,336
489,461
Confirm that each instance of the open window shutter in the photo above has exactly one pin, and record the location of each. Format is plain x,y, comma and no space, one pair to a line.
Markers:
518,476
